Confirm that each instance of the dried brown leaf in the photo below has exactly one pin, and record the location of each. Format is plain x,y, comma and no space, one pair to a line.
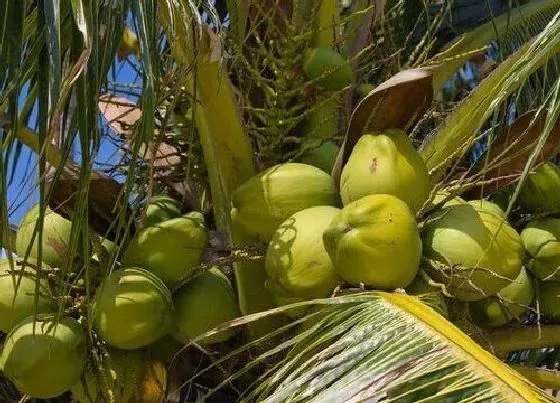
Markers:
509,152
397,103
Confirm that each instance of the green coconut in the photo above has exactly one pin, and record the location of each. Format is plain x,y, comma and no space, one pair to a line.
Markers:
45,358
169,249
328,66
473,253
297,265
374,241
56,237
385,163
541,191
161,208
510,302
541,239
17,295
488,206
132,308
323,157
266,200
549,300
120,378
203,303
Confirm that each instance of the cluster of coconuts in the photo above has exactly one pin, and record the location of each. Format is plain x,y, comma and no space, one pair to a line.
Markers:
366,235
132,308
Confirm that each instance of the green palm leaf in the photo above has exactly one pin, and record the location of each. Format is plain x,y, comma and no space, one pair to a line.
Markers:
385,347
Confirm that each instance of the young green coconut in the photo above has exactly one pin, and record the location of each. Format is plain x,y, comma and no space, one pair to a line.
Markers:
55,240
488,206
17,295
121,378
169,249
323,157
541,239
266,200
45,358
297,265
132,308
161,208
328,66
510,302
385,163
374,241
541,190
472,252
203,303
549,300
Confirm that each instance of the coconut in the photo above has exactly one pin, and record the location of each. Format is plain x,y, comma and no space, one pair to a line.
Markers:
323,157
203,303
488,206
45,358
124,377
132,308
549,300
541,239
266,200
120,375
374,241
17,295
509,303
169,249
328,66
473,253
297,265
56,237
541,191
161,208
385,163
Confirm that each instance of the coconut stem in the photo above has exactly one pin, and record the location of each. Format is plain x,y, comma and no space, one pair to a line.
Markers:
524,338
542,377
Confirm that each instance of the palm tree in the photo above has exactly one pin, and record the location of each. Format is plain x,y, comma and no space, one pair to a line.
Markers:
204,95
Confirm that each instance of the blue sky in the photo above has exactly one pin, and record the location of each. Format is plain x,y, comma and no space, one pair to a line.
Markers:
23,192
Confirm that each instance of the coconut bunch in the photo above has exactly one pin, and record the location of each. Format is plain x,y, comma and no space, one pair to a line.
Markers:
386,227
132,307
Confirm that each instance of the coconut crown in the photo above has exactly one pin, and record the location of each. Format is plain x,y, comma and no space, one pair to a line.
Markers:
472,252
266,200
45,358
385,163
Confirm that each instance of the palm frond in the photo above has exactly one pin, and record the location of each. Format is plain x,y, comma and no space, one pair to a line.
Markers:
458,132
381,347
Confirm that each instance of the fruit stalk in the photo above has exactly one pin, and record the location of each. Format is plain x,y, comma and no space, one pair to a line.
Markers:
542,377
506,340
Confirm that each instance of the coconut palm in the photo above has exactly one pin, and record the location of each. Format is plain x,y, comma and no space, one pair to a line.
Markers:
217,92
